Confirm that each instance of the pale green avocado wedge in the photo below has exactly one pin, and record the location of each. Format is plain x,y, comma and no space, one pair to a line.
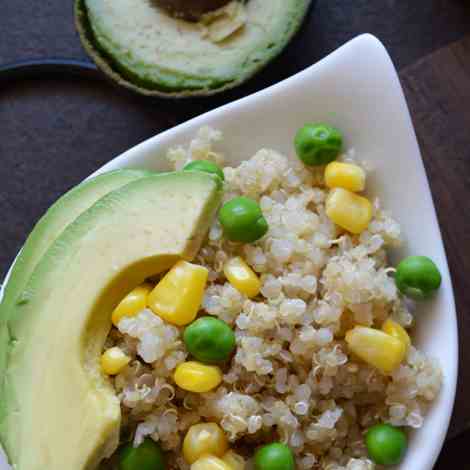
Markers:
64,211
58,409
140,46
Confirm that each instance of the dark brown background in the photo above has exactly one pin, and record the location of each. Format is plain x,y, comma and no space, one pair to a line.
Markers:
55,132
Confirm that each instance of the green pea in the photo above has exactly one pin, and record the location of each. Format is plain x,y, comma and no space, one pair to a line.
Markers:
210,340
242,220
148,456
205,166
318,144
275,456
386,444
417,277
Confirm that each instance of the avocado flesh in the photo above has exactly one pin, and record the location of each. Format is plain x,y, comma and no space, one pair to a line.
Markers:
64,211
61,411
140,46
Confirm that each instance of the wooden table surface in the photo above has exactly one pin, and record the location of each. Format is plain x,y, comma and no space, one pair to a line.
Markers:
54,132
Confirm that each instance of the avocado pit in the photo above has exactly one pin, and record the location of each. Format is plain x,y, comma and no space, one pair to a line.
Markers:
190,10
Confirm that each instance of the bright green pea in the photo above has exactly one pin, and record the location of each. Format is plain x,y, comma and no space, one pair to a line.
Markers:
275,456
386,444
209,339
148,456
205,166
318,144
417,277
242,220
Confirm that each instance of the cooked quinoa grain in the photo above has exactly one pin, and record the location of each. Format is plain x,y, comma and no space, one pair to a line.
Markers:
292,378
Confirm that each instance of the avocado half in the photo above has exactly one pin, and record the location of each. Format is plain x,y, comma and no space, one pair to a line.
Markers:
140,46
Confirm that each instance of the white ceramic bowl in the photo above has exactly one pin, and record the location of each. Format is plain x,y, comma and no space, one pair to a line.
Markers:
356,89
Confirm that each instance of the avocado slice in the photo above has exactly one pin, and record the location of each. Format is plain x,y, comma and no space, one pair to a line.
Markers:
64,211
59,410
142,47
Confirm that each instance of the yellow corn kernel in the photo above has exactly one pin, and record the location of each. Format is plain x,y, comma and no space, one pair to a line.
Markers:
196,377
348,210
210,462
375,347
345,175
132,304
242,277
204,438
234,460
113,361
178,296
394,329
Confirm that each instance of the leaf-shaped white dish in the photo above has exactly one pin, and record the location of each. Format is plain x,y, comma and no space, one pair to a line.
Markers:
356,89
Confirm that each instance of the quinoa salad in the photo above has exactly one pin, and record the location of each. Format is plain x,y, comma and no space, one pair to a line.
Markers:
321,359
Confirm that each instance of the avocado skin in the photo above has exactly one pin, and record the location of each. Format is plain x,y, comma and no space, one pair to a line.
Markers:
167,88
190,10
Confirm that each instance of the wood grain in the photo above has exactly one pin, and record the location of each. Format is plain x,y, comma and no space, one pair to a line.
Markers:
438,93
